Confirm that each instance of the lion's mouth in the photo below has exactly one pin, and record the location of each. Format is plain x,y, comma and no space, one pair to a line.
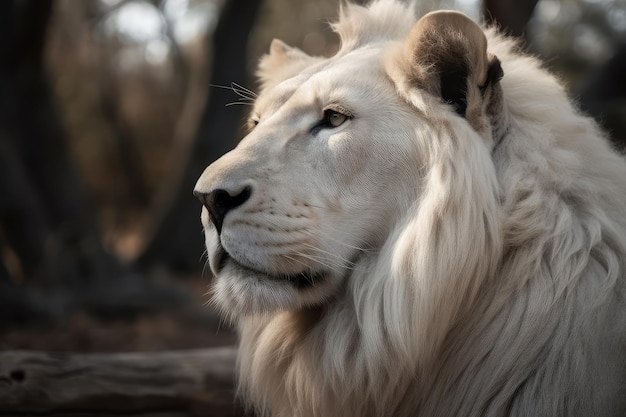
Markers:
301,281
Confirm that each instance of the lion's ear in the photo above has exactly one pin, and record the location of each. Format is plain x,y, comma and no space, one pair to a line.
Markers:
282,62
448,57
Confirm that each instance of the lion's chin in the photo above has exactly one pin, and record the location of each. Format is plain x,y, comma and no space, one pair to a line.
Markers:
240,291
301,280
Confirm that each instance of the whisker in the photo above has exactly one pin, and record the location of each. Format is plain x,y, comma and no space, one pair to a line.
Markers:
243,91
360,240
225,87
211,302
328,236
205,255
319,260
325,254
240,103
295,260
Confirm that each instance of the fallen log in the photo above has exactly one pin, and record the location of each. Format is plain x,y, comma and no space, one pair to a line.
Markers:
170,383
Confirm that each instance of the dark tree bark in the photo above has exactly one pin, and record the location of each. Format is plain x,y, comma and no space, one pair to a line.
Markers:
45,216
511,15
45,185
177,241
24,224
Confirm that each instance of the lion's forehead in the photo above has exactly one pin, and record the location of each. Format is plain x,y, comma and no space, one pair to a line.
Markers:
351,77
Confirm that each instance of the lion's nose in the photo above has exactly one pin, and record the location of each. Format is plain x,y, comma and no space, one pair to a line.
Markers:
219,202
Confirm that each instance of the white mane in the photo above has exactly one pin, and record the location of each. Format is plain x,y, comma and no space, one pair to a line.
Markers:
381,21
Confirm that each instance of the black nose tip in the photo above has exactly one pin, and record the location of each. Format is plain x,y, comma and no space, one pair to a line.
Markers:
219,202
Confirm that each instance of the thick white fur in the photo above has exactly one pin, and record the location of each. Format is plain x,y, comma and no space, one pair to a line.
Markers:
465,277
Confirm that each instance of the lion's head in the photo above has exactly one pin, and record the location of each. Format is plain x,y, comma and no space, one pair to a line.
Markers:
340,150
421,224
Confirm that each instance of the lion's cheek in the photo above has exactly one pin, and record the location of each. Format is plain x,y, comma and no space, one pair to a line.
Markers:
348,159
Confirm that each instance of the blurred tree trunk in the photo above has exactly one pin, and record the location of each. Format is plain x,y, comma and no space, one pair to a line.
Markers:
23,220
603,96
177,241
511,15
45,184
45,217
136,191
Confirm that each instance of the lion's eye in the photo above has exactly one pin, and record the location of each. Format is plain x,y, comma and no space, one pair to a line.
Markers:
252,122
333,118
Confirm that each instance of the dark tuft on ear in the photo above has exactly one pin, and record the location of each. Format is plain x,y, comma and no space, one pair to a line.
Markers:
453,86
494,72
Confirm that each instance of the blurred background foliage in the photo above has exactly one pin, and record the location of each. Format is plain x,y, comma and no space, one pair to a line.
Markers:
109,117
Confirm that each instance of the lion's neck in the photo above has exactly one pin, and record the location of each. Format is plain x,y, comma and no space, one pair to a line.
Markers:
346,356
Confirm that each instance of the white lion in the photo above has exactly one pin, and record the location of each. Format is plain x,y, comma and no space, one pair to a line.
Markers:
413,229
